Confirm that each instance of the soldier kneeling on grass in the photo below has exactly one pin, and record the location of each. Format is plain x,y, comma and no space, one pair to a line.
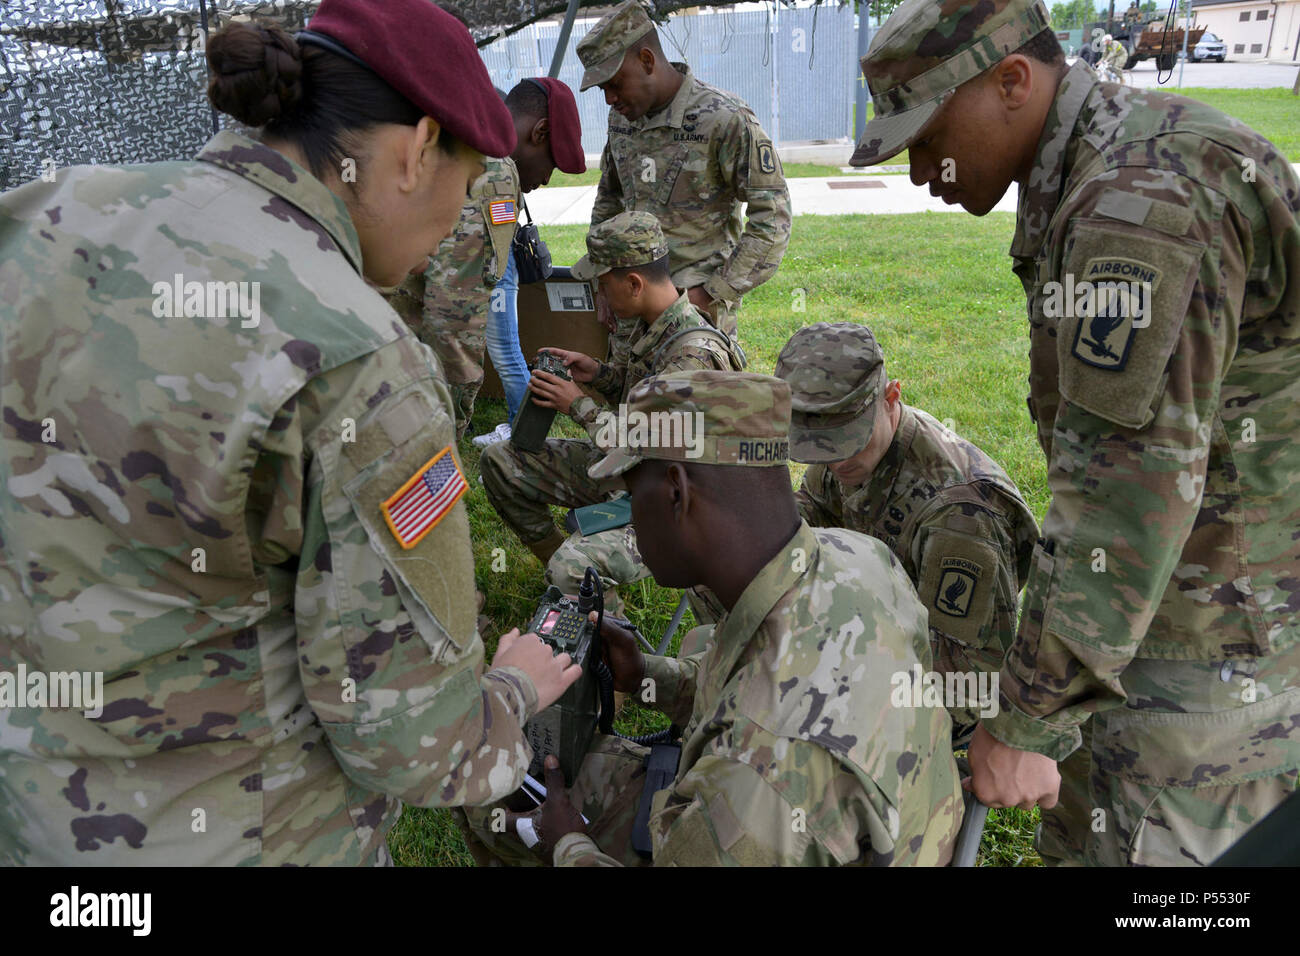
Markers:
793,752
947,511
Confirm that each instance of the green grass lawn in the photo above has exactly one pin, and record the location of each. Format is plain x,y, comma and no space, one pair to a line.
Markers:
937,290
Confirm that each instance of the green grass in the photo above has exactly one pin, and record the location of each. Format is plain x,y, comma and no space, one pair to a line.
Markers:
1273,113
589,178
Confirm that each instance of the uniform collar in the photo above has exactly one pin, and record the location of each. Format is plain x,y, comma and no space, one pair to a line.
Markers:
674,114
669,321
1041,192
737,629
278,174
879,488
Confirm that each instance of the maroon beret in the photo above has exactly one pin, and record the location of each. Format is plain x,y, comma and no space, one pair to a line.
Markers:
428,56
566,128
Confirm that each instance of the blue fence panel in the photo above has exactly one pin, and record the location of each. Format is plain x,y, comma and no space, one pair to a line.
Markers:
815,67
804,60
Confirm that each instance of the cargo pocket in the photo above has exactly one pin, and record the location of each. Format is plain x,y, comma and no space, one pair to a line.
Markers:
1182,787
693,842
669,177
706,833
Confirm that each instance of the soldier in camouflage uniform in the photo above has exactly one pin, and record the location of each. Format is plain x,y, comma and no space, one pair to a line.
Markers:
690,154
1159,642
948,511
628,255
197,499
447,305
794,751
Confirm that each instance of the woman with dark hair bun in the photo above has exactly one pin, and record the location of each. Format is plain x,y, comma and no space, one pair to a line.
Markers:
229,494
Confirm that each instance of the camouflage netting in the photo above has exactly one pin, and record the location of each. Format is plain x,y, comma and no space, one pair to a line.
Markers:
123,81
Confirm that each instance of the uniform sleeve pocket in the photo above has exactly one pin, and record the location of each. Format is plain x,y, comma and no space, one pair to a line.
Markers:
500,211
1120,305
958,586
404,483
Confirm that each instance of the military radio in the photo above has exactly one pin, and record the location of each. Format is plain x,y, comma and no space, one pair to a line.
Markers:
567,726
533,422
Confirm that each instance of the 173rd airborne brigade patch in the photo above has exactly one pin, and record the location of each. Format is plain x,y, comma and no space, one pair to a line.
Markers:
1113,301
425,498
956,586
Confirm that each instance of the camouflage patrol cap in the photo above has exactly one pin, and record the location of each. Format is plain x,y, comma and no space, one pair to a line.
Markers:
925,50
836,374
628,239
704,416
601,50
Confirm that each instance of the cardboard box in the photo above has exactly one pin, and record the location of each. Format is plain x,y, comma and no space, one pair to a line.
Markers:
560,312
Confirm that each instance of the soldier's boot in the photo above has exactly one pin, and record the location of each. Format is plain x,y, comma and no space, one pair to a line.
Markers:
462,400
543,549
484,623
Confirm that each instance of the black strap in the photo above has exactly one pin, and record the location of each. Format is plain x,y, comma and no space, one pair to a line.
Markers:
312,38
541,86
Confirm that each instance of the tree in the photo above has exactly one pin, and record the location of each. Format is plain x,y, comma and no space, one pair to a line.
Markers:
1073,14
881,9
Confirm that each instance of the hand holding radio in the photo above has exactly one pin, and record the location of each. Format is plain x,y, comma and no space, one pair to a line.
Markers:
552,674
551,391
621,653
581,367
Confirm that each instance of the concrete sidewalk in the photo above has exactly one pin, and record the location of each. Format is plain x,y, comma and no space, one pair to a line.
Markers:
829,196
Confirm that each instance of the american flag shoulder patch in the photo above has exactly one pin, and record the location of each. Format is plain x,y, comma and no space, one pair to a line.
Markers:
503,210
425,498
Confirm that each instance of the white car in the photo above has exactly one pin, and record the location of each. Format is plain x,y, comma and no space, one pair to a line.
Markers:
1210,48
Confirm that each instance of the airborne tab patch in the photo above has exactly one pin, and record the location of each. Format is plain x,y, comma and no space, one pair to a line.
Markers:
425,498
957,586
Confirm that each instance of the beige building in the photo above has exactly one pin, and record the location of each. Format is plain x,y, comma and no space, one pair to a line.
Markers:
1252,29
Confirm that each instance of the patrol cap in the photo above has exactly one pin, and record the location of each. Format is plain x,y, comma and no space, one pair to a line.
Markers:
628,239
925,50
566,128
427,55
601,50
714,418
836,374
